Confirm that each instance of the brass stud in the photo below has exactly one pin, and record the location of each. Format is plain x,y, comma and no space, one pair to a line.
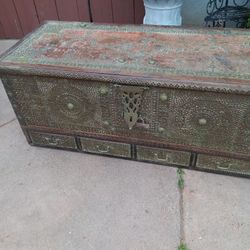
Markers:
161,130
163,97
106,123
202,121
70,105
121,60
152,62
103,90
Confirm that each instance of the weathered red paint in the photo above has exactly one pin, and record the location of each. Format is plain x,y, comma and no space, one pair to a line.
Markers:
102,11
83,10
139,11
27,15
9,20
123,11
46,10
67,10
2,34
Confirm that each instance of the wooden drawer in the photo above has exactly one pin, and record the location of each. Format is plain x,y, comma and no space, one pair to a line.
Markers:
106,147
163,156
52,140
223,164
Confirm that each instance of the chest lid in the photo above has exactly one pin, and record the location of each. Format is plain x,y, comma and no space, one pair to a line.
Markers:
81,50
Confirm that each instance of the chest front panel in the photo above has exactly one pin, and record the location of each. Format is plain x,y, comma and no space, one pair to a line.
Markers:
201,119
205,119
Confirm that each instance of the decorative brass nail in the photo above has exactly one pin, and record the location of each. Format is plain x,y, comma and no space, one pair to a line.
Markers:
152,62
70,105
103,90
161,130
163,97
106,123
121,60
202,121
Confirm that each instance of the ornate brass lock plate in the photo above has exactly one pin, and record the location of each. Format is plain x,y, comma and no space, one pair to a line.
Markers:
131,100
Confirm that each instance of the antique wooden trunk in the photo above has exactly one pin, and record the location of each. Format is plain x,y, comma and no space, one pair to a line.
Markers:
173,96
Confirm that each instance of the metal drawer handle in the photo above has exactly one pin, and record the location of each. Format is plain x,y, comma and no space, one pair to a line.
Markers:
52,140
218,165
105,149
161,159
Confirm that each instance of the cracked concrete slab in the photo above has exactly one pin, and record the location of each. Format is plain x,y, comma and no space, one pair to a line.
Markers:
216,212
52,199
6,44
6,112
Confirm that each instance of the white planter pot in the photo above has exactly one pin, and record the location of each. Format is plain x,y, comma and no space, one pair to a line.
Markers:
163,12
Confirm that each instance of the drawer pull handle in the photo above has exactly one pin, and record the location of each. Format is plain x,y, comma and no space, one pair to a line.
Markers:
225,167
103,149
161,159
52,140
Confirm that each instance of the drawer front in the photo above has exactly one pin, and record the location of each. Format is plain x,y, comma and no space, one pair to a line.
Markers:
223,164
163,156
106,147
53,140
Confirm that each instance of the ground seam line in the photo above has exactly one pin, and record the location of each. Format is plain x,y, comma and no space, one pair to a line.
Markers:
6,123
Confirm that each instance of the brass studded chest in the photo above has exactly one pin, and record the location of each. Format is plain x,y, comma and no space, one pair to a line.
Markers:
173,96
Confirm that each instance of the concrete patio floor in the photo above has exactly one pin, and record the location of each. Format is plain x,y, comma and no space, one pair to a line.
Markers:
52,199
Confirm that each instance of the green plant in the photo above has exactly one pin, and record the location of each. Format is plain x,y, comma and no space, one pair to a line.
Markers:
248,22
180,174
182,246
